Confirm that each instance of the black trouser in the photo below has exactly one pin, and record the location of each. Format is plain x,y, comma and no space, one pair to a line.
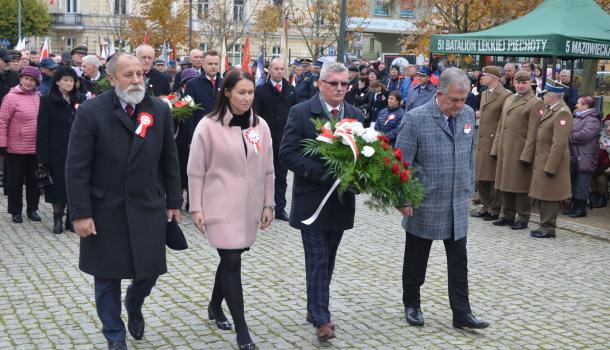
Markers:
22,170
280,183
417,251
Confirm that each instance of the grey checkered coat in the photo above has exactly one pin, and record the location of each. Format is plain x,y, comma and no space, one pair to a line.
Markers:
444,165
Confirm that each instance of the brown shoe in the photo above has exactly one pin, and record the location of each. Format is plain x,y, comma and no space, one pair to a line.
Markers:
325,332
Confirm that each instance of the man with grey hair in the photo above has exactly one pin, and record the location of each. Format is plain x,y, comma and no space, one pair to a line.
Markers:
91,75
156,82
509,74
438,140
321,231
196,60
570,95
123,186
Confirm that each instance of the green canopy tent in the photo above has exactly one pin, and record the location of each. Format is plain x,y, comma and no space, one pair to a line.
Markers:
566,29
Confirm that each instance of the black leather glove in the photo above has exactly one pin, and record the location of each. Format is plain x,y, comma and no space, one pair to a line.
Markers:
549,174
325,179
525,164
353,189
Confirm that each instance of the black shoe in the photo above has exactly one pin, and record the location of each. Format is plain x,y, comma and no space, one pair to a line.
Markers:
33,215
519,225
469,321
580,209
309,318
504,222
491,217
249,346
224,325
17,218
135,323
117,345
479,214
414,316
281,215
58,226
542,234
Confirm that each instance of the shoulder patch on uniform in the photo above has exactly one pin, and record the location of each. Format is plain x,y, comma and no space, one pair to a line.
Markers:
562,122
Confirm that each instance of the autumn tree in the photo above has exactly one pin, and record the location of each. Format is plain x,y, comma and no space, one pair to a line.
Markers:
164,20
317,21
267,20
35,19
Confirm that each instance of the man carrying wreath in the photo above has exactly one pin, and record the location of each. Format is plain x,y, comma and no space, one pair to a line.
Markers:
438,140
123,185
311,184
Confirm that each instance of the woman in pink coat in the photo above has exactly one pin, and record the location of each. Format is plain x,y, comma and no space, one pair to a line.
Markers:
230,179
18,122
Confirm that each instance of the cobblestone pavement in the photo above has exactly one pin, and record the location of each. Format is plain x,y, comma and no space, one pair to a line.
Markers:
537,294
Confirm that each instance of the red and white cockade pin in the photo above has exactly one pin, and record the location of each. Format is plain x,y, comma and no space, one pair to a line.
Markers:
541,112
254,138
562,122
76,105
145,121
467,128
390,117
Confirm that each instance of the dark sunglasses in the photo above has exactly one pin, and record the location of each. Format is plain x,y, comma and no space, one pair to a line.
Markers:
336,83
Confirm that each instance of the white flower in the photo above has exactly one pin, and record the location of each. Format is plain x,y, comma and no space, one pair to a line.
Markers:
370,135
368,151
357,129
192,103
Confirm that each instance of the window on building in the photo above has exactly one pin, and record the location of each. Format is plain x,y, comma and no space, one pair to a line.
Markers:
238,10
372,44
407,8
235,54
203,8
203,47
70,42
120,7
71,6
275,52
383,8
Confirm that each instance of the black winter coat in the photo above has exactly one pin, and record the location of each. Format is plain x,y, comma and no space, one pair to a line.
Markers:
157,83
274,106
8,80
307,191
126,183
202,92
55,119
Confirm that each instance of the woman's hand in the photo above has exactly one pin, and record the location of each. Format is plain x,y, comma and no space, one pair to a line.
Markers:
266,218
197,218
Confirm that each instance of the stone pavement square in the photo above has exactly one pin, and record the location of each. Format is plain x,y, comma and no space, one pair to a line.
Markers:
537,294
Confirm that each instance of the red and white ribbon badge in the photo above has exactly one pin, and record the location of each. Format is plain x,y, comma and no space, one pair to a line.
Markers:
467,128
145,121
541,112
326,134
562,122
390,117
254,138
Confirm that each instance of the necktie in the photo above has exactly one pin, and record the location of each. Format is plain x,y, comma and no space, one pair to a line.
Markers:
129,110
278,87
213,81
451,123
334,112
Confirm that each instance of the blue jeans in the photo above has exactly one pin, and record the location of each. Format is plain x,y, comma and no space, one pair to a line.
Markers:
108,303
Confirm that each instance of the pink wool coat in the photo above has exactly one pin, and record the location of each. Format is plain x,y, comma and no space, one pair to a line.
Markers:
18,121
229,187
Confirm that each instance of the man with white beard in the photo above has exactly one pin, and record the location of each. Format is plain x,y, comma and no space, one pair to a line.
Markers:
123,184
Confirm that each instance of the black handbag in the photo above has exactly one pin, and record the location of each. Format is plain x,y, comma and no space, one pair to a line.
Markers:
43,177
174,238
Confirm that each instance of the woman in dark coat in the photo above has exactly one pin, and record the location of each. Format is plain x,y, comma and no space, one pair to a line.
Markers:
389,118
55,118
378,100
584,146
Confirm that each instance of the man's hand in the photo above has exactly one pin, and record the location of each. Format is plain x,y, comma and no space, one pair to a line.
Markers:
173,213
84,227
406,211
197,218
266,218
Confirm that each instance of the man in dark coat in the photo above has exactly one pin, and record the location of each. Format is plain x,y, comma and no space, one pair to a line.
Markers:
312,182
196,60
305,82
123,183
272,101
157,84
570,96
204,88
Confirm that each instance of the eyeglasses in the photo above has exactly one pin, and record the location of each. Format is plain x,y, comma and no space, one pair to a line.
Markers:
336,83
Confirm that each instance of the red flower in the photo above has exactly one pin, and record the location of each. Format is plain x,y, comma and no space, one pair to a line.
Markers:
404,176
180,104
398,154
171,97
387,160
385,145
405,164
383,138
396,168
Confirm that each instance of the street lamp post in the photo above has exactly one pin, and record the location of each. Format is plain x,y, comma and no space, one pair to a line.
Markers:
190,25
341,43
18,21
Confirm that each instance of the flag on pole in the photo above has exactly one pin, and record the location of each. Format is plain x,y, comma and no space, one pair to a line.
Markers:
223,57
52,2
111,48
20,44
164,52
98,53
260,69
146,37
44,51
245,60
173,53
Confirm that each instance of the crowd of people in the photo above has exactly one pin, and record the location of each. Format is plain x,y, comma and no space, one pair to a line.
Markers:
116,166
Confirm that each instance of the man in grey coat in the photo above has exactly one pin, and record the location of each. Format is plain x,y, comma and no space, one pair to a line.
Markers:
438,139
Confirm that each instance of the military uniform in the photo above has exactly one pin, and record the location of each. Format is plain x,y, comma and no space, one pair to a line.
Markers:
514,148
305,87
490,112
551,175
